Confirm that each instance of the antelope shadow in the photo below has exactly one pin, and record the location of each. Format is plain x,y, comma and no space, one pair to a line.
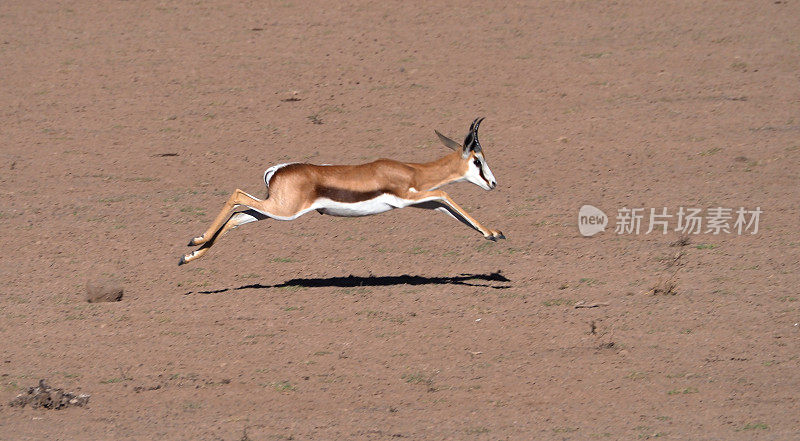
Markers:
356,281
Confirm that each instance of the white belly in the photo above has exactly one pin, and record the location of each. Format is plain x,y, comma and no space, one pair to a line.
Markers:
364,208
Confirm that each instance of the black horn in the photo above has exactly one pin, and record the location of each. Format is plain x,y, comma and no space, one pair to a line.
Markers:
471,141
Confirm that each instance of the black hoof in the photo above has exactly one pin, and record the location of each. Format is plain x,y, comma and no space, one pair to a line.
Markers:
183,261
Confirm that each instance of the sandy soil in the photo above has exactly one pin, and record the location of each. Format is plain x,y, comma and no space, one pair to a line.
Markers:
126,124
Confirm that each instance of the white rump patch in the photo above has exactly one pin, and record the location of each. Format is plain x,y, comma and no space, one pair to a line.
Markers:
271,171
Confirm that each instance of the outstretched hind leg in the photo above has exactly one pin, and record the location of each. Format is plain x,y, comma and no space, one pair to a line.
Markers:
238,197
235,220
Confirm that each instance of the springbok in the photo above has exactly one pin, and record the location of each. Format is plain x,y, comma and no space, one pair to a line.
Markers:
294,189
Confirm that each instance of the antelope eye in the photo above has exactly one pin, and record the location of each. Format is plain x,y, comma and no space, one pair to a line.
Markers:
477,162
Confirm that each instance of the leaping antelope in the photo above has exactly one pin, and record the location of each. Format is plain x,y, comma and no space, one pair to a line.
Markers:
358,190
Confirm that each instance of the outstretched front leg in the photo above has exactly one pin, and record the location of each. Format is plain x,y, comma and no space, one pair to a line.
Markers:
439,200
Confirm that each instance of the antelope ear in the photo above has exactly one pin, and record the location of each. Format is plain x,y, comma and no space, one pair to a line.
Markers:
469,144
449,143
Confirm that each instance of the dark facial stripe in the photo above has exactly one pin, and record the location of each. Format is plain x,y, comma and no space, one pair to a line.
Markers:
480,171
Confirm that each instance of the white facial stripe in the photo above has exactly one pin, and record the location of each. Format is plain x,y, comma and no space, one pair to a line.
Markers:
479,174
487,173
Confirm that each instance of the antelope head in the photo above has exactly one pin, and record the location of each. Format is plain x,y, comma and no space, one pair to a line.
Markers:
474,166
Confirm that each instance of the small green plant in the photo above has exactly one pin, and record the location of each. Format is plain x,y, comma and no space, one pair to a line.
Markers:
755,426
705,246
710,151
595,54
565,429
588,281
193,211
417,378
284,386
636,375
558,302
111,199
684,391
484,246
476,430
654,435
254,336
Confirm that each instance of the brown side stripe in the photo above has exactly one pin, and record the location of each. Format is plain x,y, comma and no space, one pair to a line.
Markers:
347,196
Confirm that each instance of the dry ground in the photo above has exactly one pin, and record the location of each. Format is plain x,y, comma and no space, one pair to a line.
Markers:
125,125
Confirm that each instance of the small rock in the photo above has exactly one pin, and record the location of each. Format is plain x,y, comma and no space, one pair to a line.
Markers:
103,290
49,398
